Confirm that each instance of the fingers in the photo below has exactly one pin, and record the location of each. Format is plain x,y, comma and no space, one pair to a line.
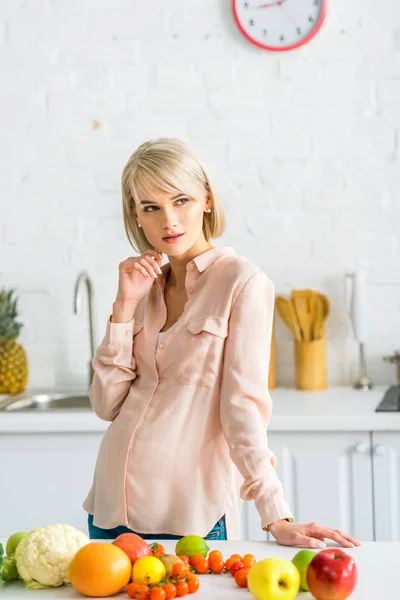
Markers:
308,542
320,532
142,270
147,263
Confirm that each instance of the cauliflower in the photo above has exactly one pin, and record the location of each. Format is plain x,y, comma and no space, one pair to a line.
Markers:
44,555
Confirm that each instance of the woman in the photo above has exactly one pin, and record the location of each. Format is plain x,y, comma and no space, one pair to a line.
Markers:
182,372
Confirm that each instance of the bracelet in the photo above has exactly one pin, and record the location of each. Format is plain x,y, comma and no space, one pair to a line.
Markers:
267,528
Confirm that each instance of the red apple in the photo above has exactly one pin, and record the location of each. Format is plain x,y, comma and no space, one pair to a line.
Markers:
133,545
331,575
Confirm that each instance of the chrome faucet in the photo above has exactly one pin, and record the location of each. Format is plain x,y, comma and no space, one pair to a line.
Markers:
83,278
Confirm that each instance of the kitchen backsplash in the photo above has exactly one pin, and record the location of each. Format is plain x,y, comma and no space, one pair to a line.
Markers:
304,148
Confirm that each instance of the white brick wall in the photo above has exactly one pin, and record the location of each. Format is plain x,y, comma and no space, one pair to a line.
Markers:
304,148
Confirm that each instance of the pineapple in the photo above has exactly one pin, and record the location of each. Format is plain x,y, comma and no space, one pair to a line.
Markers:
13,362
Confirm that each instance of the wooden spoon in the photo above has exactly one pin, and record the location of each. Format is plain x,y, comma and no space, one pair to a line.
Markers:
302,304
287,313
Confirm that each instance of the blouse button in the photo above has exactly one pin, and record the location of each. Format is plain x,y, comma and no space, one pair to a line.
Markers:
127,332
162,345
190,266
190,290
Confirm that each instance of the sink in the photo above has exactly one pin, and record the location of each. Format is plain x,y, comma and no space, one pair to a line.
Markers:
50,402
391,400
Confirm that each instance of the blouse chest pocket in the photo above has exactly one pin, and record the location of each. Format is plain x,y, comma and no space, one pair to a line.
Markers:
202,355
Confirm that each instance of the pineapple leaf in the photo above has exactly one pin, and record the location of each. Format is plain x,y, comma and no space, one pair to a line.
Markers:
9,326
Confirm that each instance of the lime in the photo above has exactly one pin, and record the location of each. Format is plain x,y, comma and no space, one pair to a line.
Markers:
191,545
13,542
148,570
301,560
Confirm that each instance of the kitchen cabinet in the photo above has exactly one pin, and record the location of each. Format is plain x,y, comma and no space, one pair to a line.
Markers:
326,478
45,478
386,485
337,458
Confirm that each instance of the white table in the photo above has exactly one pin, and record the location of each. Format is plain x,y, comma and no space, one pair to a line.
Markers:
377,562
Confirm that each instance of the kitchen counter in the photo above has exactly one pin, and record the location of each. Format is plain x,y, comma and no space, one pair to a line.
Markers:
339,408
377,564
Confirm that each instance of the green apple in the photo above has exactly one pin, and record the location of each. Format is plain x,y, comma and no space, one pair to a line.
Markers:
273,579
13,542
301,560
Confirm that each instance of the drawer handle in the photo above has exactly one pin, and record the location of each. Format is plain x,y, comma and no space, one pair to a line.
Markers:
361,448
380,449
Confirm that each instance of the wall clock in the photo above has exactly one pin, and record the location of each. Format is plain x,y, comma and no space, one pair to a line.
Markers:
279,25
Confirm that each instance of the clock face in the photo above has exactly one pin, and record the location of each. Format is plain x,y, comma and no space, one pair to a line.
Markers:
279,24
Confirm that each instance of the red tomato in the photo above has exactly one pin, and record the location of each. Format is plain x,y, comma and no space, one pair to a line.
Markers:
232,559
249,560
202,566
182,588
157,593
184,559
195,558
236,567
216,564
193,583
179,570
241,577
170,590
214,553
138,591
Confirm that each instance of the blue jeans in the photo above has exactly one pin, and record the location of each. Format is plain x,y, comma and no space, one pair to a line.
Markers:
218,532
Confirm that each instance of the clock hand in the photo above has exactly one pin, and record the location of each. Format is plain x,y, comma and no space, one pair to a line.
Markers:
277,3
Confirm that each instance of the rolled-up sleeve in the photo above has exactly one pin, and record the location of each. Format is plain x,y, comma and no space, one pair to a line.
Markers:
246,404
114,370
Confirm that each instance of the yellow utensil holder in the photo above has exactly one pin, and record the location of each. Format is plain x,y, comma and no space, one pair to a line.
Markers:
310,364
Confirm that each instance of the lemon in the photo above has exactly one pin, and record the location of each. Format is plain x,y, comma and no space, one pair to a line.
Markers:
148,570
191,545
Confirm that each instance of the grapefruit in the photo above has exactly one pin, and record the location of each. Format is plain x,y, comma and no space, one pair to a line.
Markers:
100,569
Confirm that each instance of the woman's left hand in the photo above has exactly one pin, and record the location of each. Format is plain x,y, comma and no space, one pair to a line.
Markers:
310,535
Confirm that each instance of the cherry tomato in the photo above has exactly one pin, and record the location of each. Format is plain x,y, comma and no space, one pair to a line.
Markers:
138,591
249,560
193,583
170,591
157,549
158,593
216,564
241,577
195,558
182,588
202,566
184,559
179,571
236,567
232,559
214,553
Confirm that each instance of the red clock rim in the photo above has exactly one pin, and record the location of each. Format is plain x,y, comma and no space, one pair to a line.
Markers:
305,40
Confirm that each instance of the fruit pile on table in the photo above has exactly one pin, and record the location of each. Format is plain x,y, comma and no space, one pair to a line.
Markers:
55,555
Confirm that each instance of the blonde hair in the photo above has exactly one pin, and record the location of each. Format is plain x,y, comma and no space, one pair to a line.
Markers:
168,164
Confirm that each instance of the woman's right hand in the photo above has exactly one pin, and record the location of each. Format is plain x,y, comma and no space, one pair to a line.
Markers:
136,276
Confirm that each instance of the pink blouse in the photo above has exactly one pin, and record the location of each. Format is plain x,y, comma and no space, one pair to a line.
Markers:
188,435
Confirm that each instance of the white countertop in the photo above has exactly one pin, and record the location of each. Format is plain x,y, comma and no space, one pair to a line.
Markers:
339,408
377,564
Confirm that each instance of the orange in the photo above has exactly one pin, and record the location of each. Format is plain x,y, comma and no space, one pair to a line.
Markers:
100,569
